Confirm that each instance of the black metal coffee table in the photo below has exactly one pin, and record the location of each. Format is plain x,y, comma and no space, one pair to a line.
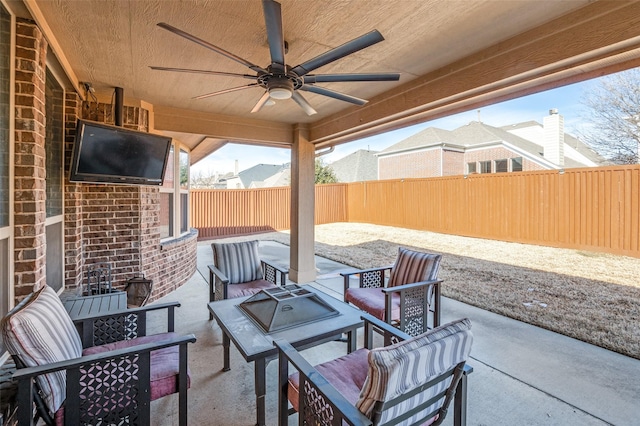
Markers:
256,345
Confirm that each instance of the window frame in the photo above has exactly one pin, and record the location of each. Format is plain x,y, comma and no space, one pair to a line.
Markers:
175,212
521,164
7,292
475,167
56,220
506,165
487,163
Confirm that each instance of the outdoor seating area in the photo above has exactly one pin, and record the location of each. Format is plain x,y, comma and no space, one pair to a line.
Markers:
234,378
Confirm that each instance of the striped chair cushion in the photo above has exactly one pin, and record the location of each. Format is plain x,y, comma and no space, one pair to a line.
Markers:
240,262
413,267
39,331
397,369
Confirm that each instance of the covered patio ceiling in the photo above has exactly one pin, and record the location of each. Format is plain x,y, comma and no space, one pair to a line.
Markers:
451,56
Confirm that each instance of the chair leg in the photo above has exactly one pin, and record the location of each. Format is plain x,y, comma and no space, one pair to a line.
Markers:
182,386
211,291
460,403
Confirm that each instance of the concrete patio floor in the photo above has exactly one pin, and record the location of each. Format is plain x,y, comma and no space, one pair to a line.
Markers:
523,375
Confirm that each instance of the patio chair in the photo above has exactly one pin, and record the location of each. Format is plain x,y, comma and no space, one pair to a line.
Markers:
411,382
107,374
238,271
408,298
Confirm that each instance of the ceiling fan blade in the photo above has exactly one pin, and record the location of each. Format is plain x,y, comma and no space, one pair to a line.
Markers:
221,92
328,78
275,32
228,74
348,48
210,47
263,100
333,94
300,100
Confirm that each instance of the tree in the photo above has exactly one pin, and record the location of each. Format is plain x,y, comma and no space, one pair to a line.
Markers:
324,174
200,180
613,114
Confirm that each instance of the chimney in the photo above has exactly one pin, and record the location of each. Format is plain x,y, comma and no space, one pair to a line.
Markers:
554,137
236,169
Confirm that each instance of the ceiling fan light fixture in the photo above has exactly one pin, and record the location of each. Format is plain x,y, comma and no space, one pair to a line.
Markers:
280,88
280,93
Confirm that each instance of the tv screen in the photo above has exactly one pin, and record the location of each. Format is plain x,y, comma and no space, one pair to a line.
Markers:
110,154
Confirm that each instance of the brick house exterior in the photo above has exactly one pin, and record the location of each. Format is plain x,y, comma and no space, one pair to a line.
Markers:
480,148
119,224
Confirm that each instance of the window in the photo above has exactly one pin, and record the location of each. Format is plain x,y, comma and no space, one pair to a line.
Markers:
184,191
6,141
5,113
516,164
174,195
471,168
485,166
166,198
54,233
502,166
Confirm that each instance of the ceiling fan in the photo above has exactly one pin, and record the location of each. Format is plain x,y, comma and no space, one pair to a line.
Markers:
281,81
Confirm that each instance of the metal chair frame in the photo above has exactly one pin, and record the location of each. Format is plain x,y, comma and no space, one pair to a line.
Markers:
102,329
320,403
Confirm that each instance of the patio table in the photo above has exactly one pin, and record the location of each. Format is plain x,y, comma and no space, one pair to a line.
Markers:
256,345
85,306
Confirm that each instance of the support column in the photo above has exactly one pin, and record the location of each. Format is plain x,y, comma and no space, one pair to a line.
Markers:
302,260
30,172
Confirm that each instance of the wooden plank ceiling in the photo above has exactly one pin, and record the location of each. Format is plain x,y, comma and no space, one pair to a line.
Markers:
451,56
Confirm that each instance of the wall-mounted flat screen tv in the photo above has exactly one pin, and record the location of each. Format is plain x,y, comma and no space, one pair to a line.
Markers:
110,154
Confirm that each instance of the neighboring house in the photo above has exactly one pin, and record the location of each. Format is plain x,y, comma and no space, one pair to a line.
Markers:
281,178
356,167
256,176
480,148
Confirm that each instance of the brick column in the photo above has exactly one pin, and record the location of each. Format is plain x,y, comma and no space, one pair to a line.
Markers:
30,213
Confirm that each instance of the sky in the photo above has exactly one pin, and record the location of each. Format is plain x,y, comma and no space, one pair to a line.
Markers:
567,100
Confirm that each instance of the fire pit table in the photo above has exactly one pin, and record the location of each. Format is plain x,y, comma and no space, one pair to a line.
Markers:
246,322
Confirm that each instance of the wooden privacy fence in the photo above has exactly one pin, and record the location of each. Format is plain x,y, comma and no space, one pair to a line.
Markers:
592,209
224,212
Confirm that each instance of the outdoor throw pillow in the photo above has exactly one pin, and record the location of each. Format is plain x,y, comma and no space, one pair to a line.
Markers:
413,267
399,368
240,262
40,331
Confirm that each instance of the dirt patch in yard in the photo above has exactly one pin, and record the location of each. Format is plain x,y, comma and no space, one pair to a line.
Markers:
594,297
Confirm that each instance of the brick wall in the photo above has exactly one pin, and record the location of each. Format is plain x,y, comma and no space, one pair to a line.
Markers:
29,183
452,163
414,164
499,154
437,162
120,224
102,223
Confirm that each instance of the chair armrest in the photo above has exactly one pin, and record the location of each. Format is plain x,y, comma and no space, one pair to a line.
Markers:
218,274
389,333
431,295
325,394
411,286
373,277
218,282
30,372
121,325
274,273
91,364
